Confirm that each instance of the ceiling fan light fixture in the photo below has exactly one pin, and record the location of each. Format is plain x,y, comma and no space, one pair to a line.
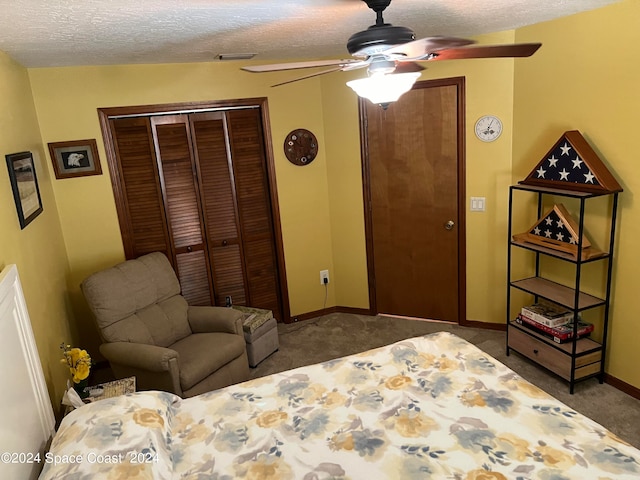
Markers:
384,89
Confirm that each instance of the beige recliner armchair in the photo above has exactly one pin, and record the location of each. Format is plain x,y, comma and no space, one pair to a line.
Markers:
150,331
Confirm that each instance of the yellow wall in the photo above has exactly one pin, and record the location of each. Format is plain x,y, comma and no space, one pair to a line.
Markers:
321,204
344,173
585,77
66,101
38,251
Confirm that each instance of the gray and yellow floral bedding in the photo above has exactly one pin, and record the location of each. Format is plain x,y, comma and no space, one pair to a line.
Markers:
428,407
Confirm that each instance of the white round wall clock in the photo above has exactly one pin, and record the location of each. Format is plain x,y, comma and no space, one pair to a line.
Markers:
488,128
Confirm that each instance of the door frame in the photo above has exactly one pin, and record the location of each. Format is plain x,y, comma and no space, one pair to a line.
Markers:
105,114
459,83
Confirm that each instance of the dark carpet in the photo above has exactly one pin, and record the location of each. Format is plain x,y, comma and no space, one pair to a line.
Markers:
338,334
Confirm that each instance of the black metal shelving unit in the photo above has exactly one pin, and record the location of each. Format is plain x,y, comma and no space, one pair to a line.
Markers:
580,358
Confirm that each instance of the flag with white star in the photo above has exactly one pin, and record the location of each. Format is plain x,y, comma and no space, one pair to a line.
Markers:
572,164
555,229
565,165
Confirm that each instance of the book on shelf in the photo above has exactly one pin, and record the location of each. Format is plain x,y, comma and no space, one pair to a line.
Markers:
559,334
547,313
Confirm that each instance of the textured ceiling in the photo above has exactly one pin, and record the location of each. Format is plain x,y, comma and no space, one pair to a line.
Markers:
43,33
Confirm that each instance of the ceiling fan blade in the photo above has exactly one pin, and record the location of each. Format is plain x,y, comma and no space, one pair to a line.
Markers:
488,51
357,64
275,67
418,49
334,69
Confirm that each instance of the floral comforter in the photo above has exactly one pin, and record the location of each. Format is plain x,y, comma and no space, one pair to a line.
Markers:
428,407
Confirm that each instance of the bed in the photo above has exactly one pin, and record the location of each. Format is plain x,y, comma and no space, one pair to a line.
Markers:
428,407
26,418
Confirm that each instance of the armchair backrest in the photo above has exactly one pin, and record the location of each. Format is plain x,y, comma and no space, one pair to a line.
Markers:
138,301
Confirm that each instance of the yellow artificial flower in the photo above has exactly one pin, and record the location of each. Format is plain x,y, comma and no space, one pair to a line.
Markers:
81,372
78,361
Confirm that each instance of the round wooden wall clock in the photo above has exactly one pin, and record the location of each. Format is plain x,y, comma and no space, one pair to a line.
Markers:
301,147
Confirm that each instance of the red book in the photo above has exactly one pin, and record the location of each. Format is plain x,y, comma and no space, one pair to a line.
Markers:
560,334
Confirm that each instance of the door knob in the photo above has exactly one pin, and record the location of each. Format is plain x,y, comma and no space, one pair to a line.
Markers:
449,225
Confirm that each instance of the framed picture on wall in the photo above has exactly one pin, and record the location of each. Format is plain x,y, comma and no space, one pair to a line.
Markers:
77,158
24,184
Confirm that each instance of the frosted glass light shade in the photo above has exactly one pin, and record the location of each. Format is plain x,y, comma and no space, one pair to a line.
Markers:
384,89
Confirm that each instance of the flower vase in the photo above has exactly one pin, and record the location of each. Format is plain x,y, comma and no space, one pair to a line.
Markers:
82,389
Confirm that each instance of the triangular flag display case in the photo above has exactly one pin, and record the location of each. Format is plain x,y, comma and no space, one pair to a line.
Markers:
557,229
573,165
570,170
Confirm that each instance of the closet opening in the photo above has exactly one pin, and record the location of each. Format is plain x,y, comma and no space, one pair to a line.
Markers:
196,181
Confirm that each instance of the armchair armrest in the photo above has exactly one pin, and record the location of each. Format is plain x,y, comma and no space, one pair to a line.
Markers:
155,368
139,355
215,319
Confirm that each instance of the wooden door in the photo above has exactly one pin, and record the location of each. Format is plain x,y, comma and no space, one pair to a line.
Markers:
210,136
237,209
137,189
414,188
251,183
176,165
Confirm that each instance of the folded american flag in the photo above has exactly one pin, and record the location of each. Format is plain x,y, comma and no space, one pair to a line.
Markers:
572,164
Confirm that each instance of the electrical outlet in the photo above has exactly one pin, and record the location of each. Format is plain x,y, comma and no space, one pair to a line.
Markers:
324,277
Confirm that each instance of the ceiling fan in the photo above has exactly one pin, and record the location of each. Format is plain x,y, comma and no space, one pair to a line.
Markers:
386,49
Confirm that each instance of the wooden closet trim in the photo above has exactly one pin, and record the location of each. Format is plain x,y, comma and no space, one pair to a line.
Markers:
105,114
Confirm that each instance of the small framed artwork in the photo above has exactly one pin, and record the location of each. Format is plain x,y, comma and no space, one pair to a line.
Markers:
24,184
77,158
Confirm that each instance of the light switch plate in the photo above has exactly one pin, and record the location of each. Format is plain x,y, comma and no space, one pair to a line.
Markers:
477,204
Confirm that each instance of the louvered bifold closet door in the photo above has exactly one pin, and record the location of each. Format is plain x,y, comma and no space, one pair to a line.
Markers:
182,204
254,208
138,190
219,206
